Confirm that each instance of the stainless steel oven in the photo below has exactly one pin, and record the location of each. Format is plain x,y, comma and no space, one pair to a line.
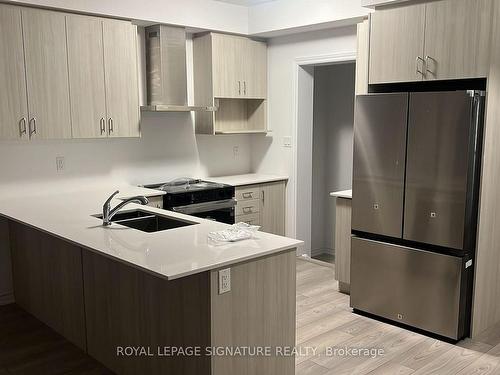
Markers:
222,210
204,199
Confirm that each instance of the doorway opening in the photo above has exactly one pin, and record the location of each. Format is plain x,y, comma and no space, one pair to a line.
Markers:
325,122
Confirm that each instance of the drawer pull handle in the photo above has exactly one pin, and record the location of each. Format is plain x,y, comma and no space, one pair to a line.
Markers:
248,195
247,209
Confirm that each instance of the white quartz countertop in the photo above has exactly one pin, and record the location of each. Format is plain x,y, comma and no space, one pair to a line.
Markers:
170,254
247,179
342,194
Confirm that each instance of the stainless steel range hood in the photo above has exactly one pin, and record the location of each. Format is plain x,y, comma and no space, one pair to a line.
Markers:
166,75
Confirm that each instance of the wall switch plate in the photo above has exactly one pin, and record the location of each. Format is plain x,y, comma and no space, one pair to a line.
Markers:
60,163
225,280
287,141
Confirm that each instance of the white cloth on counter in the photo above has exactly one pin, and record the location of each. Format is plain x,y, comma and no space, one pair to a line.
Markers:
237,232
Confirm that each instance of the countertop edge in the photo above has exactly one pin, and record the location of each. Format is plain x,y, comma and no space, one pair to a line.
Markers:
247,179
347,194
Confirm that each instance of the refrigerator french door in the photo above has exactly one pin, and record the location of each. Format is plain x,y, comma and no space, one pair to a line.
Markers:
414,209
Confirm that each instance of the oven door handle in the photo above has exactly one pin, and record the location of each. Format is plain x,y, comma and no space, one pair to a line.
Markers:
204,207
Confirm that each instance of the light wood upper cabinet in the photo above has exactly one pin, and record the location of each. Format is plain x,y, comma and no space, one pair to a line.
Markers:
239,67
255,82
47,74
438,40
396,42
227,67
86,76
230,73
13,99
67,76
120,70
272,210
362,57
457,38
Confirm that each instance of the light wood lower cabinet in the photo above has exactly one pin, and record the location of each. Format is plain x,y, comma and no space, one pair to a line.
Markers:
273,208
263,296
107,307
13,97
262,205
48,280
125,306
343,243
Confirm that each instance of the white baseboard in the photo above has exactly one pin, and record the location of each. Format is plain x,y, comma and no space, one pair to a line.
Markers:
316,252
7,299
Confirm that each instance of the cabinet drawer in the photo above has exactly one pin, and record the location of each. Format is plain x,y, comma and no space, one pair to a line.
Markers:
156,202
252,219
248,207
248,192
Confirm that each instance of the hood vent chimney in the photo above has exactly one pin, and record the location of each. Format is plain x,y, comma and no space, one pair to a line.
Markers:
166,75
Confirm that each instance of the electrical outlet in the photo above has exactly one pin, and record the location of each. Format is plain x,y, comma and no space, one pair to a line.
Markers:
287,141
225,280
236,150
60,163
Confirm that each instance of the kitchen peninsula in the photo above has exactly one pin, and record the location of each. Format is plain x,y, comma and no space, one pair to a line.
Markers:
109,288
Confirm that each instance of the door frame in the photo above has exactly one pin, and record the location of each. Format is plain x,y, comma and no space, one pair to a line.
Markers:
303,113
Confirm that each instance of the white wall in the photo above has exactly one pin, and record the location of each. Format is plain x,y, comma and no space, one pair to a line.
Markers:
199,14
268,153
168,149
284,16
332,148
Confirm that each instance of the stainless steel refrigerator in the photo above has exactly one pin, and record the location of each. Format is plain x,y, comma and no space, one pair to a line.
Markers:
414,207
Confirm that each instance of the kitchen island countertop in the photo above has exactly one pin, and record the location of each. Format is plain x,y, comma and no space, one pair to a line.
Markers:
342,194
247,179
170,254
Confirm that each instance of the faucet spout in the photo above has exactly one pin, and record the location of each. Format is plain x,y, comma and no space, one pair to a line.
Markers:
108,213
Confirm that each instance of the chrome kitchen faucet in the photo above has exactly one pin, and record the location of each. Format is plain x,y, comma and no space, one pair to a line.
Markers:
108,213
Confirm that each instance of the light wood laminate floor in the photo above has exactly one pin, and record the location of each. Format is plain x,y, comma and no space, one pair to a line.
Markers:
324,320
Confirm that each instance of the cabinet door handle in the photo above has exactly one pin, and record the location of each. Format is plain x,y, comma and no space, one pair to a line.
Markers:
263,197
32,126
22,127
244,87
417,68
102,124
239,87
110,125
427,58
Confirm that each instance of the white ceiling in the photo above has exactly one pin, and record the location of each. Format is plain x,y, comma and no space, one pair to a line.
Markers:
247,3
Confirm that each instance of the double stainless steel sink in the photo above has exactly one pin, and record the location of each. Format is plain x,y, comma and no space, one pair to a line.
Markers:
147,221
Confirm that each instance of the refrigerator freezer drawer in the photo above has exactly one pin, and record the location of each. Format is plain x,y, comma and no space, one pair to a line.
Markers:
413,287
379,163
